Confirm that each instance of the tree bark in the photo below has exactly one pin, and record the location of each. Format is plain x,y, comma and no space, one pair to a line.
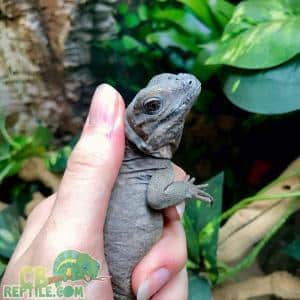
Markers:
45,54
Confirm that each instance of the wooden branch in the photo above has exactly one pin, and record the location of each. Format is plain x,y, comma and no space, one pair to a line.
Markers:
247,226
45,51
279,284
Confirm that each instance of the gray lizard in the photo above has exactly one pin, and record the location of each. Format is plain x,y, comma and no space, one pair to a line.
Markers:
145,185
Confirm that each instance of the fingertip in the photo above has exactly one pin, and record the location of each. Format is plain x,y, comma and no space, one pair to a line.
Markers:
169,252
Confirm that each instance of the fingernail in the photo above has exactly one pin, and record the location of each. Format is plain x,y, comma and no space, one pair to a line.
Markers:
103,111
153,284
180,209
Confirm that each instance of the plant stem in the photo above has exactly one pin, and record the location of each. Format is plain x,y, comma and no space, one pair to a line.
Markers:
258,197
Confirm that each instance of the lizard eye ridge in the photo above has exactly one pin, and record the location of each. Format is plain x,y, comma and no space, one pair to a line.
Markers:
152,105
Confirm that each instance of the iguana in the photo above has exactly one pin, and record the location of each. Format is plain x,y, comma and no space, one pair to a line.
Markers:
73,265
145,184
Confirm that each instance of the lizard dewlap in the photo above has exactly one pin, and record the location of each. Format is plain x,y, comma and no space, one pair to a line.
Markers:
145,184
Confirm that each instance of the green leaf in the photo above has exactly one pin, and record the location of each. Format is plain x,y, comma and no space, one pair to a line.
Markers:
193,246
208,236
131,43
131,20
56,162
143,12
198,222
293,249
199,68
261,34
122,8
272,91
187,21
9,169
9,230
201,9
199,288
222,11
172,38
4,151
42,136
5,134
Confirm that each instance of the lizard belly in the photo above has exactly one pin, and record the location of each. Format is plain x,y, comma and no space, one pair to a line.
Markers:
131,229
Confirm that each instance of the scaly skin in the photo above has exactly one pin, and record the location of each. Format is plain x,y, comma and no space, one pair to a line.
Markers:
145,185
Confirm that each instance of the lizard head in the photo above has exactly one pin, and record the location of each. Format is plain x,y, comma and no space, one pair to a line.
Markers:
155,118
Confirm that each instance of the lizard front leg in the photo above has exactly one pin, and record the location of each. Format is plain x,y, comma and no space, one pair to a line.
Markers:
163,191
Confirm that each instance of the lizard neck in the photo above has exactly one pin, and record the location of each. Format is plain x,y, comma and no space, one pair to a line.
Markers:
135,160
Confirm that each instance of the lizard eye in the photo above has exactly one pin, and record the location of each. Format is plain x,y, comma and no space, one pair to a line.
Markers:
152,106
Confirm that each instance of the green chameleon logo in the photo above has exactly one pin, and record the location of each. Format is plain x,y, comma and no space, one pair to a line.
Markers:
73,265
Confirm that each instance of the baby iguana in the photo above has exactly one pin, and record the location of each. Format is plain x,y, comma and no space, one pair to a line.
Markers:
145,185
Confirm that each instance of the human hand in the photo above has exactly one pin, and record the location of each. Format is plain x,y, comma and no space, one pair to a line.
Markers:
74,217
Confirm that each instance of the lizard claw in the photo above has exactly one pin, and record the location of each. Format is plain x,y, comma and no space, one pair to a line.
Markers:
187,178
190,179
196,191
205,197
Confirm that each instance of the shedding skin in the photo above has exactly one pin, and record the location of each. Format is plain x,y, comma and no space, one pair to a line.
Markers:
145,184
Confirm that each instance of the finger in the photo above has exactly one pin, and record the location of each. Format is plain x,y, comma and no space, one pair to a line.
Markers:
164,260
176,288
94,164
34,224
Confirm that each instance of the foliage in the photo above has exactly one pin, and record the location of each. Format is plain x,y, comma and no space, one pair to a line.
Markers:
9,231
15,149
202,238
293,249
258,33
200,36
202,230
261,34
199,287
162,35
270,91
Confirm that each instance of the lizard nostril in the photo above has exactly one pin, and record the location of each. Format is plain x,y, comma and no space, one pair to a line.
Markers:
190,82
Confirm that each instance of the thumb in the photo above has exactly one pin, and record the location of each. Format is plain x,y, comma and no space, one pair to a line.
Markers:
94,164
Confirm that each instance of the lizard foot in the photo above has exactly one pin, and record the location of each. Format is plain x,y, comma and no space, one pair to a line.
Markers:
197,190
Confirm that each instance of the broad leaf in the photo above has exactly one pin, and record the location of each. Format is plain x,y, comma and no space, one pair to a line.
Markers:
199,225
172,38
261,34
129,43
222,11
201,9
122,8
272,91
131,20
192,240
187,21
56,162
4,151
293,249
199,68
199,288
9,230
42,136
208,236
